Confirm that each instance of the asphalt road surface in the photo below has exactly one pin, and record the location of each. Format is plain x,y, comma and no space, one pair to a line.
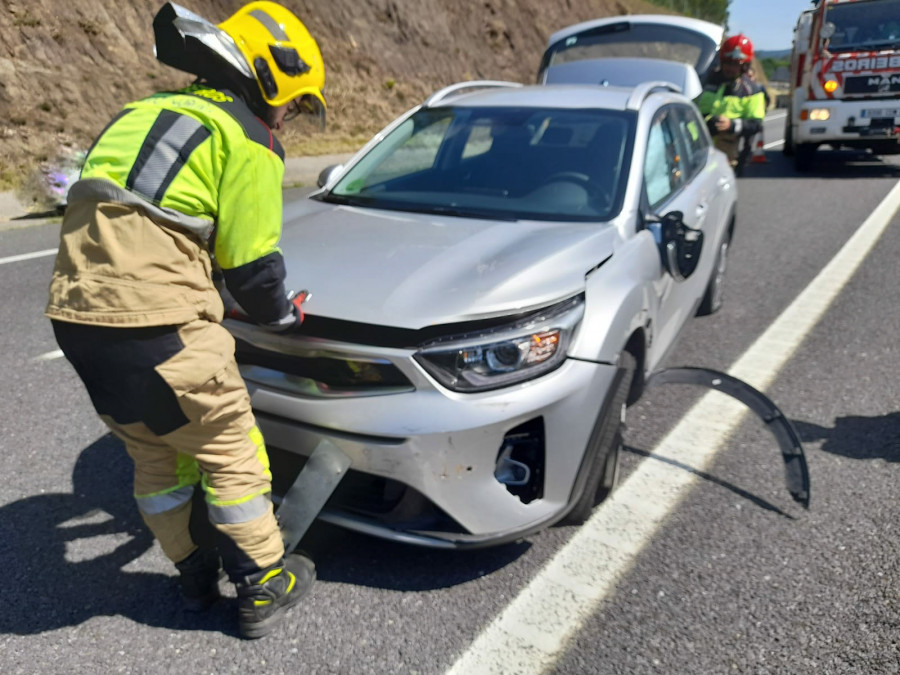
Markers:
716,571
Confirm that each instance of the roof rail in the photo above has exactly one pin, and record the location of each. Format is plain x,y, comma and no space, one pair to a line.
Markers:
439,96
644,89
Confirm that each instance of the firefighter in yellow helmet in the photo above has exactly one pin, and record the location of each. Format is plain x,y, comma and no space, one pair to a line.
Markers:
178,185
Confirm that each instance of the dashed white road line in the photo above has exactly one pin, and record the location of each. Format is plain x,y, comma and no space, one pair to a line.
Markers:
49,356
28,256
534,629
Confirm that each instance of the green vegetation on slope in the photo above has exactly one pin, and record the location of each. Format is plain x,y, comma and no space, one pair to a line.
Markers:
770,65
715,11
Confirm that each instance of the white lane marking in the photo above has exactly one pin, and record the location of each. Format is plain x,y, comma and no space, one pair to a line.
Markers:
779,116
28,256
531,633
49,356
773,144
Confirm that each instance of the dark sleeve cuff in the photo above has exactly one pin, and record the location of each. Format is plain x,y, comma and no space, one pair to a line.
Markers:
751,127
258,287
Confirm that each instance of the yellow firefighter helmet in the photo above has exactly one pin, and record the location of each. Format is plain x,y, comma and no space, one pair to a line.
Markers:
284,56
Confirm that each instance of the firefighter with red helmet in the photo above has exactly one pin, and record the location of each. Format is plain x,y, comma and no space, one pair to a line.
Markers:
734,105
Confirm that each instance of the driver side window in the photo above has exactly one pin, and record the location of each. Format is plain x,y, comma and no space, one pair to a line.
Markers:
664,172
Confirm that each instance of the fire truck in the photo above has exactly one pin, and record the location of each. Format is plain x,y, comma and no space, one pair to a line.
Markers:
845,79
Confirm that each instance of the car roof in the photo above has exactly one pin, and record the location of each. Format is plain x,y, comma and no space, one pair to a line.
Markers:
566,96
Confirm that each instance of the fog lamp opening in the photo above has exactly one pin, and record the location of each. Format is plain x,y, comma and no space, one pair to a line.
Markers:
521,461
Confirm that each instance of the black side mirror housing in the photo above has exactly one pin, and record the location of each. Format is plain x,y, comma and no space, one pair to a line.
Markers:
680,245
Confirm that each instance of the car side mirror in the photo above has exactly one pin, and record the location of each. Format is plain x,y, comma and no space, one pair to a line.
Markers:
680,245
328,173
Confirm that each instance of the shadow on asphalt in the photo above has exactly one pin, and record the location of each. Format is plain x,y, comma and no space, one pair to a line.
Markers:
857,437
828,165
739,491
55,577
348,557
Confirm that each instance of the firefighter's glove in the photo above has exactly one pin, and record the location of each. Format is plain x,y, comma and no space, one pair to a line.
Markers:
292,320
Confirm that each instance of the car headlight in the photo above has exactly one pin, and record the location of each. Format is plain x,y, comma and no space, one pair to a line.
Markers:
506,355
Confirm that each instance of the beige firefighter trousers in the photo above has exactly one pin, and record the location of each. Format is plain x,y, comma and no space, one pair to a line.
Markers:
221,439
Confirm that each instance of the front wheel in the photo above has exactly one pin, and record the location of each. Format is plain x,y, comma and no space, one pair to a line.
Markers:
601,461
715,289
788,148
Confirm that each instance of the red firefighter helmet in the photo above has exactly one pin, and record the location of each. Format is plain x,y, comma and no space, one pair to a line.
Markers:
737,48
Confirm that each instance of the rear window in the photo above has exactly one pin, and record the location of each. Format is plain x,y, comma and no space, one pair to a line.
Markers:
625,39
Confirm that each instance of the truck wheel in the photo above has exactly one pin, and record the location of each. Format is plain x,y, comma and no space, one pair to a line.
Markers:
803,156
601,460
788,148
715,289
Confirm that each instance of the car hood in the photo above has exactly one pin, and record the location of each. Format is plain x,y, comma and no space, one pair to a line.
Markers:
411,270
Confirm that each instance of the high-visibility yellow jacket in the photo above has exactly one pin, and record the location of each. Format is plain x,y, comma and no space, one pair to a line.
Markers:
741,100
170,177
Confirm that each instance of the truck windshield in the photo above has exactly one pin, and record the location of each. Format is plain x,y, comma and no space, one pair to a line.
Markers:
867,25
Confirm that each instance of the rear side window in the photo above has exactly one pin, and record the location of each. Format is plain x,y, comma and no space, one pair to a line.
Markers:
695,140
664,172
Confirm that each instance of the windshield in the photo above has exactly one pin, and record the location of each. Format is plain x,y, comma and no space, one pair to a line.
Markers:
497,163
625,39
864,26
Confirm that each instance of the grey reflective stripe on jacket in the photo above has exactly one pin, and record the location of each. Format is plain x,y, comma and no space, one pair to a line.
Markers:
243,512
155,504
100,190
166,148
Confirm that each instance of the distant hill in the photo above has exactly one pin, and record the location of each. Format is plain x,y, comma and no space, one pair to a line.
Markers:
776,54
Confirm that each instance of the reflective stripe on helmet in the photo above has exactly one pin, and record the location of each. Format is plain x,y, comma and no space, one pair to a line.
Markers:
270,24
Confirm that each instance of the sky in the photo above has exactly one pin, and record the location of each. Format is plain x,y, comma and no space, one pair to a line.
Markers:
768,23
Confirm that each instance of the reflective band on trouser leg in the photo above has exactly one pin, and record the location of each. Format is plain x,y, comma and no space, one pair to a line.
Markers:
230,513
163,485
223,437
161,502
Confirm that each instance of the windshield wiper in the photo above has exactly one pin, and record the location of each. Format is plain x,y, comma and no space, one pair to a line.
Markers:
463,212
346,200
874,46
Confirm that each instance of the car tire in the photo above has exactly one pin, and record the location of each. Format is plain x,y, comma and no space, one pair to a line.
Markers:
602,456
803,156
715,289
788,148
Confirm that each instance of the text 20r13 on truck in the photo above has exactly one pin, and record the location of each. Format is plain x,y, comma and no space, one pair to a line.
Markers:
845,79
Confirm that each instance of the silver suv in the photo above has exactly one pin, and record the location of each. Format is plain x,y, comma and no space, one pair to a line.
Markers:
493,277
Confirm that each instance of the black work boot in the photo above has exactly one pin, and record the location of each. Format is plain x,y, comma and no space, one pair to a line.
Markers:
200,574
264,597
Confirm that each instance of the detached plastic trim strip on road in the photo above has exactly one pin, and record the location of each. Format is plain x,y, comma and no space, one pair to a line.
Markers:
534,629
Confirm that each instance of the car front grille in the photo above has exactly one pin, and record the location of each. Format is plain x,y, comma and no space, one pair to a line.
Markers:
321,376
